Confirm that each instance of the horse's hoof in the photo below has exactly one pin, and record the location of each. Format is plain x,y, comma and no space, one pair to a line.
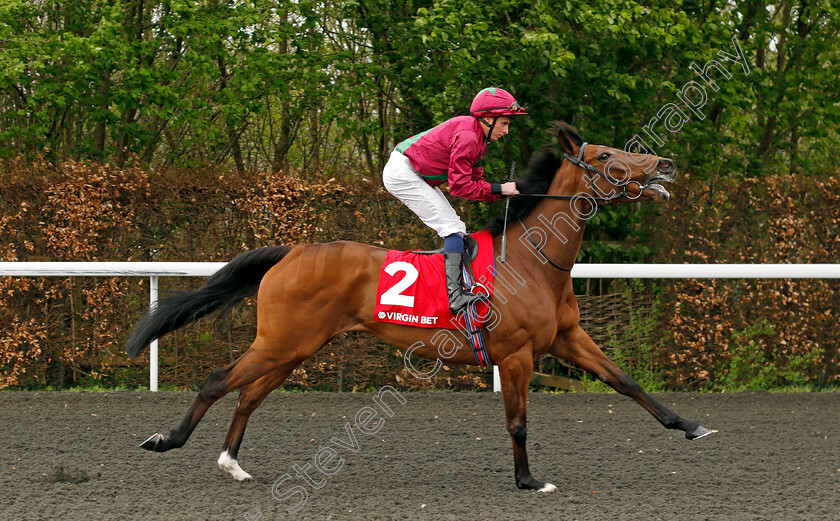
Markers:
152,442
231,466
532,484
697,433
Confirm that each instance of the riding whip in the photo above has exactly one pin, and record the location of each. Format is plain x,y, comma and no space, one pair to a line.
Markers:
507,206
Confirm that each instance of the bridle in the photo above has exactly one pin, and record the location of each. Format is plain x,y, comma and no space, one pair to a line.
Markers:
606,200
610,179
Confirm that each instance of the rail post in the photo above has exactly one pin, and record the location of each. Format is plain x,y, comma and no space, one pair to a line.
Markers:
153,347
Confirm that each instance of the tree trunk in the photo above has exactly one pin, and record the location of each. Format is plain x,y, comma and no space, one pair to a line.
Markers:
315,156
100,129
284,141
123,142
134,23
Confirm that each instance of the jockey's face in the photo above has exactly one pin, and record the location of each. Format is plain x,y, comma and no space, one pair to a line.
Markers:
501,128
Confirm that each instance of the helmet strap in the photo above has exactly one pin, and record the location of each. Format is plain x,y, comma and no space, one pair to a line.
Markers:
488,125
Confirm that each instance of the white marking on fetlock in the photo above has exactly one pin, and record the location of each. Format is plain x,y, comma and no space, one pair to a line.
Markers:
548,487
231,466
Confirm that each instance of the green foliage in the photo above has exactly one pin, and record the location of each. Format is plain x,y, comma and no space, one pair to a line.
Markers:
750,365
754,365
638,347
592,385
267,84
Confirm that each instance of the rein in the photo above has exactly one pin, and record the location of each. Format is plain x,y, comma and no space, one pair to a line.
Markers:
578,161
528,234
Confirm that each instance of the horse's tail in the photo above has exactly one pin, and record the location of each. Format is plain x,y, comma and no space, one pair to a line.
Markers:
238,279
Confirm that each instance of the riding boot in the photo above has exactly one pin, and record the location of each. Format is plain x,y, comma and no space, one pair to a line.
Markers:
459,298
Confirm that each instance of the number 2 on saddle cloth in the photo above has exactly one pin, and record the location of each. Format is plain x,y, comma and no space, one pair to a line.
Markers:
412,292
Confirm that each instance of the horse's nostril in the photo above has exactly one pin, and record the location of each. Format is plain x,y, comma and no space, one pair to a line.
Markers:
665,165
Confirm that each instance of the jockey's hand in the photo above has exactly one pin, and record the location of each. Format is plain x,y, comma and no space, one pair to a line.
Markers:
509,189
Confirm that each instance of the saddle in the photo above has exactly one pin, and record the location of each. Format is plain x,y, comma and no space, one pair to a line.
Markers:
412,290
470,250
470,254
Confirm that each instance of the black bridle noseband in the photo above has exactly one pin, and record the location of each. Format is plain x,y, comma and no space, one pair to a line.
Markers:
606,200
610,179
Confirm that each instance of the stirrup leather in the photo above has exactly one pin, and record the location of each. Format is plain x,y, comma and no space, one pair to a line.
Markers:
459,297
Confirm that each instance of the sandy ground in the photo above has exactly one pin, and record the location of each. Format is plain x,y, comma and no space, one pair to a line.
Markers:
445,456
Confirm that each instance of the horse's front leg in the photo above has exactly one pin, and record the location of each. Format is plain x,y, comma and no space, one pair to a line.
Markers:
515,373
576,347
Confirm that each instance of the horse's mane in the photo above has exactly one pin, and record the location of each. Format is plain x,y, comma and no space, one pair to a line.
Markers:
538,176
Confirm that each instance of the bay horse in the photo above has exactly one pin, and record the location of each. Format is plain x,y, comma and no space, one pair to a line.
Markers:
309,293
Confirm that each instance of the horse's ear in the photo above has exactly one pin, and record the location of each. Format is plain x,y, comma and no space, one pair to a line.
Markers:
568,137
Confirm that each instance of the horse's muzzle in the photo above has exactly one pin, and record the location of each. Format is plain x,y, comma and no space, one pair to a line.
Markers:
656,192
666,171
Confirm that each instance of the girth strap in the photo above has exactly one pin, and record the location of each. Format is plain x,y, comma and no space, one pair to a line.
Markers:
482,357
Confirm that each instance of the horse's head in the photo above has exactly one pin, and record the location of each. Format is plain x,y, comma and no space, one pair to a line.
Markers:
615,176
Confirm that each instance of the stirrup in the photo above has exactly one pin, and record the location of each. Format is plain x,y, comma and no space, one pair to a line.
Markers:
467,298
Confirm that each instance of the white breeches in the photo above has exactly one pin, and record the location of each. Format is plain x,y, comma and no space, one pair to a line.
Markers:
429,203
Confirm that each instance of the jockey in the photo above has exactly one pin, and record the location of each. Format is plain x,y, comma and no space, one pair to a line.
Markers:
452,152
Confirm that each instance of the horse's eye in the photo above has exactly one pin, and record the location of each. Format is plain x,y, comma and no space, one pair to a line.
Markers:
604,156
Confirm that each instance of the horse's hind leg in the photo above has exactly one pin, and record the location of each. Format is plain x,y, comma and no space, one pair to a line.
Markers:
256,362
250,397
306,343
578,348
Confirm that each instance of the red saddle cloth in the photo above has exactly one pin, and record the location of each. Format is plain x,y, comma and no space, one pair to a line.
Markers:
412,287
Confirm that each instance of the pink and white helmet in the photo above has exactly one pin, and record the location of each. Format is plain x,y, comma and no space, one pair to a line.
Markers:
494,102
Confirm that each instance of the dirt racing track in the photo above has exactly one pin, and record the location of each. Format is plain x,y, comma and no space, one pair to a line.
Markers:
446,456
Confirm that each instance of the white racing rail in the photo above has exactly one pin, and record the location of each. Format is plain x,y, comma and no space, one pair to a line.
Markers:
155,270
